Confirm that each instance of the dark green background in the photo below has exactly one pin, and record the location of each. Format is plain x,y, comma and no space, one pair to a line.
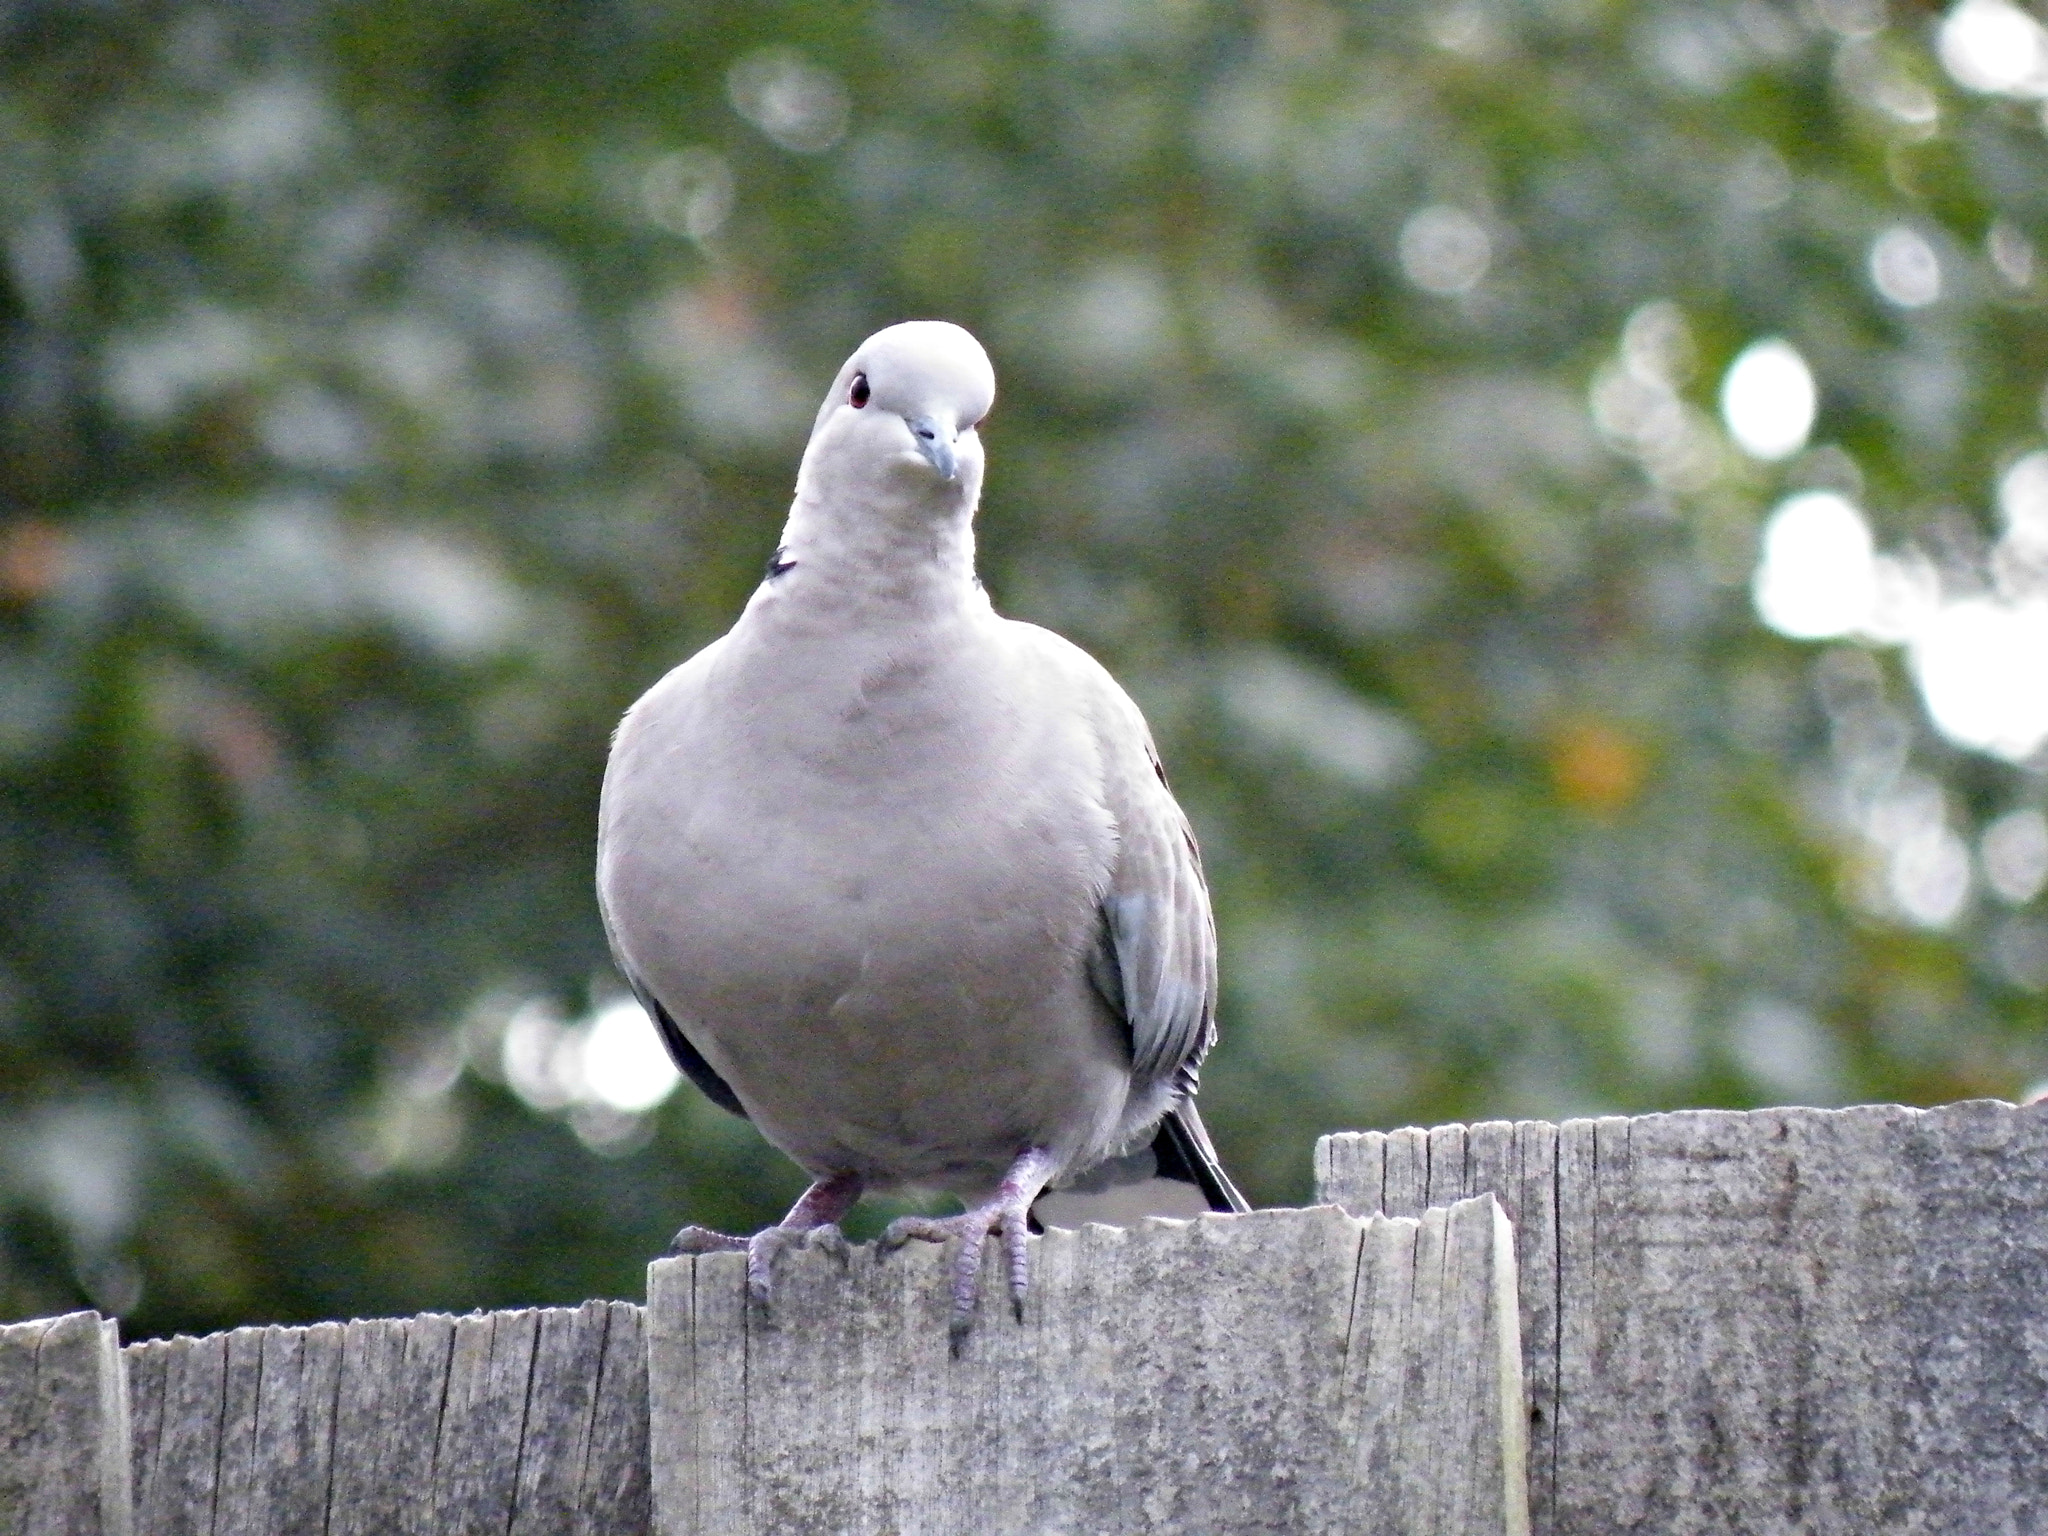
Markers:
386,404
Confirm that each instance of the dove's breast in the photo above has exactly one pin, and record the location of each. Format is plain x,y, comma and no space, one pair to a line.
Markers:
864,879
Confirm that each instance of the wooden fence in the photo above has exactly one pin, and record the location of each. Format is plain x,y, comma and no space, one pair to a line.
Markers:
1794,1320
1787,1320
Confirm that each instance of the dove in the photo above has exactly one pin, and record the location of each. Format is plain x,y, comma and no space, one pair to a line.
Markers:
901,880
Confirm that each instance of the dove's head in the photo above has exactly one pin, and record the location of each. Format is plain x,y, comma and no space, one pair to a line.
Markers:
900,420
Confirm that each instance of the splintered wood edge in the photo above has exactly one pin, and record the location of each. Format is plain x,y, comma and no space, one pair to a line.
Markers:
1514,1407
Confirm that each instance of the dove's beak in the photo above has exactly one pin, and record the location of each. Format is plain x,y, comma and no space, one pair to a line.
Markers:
936,444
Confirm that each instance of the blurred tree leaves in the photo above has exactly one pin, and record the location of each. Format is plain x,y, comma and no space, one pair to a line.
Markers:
391,392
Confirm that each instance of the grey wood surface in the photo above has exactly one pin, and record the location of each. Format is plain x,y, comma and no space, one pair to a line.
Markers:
63,1428
1286,1371
1791,1320
525,1423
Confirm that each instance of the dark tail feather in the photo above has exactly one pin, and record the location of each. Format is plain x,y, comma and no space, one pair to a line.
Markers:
1185,1152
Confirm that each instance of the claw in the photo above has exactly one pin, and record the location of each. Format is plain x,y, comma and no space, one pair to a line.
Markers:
770,1243
831,1240
763,1248
1007,1213
703,1240
813,1218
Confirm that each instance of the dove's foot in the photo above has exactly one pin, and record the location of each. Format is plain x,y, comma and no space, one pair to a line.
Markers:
762,1250
1007,1212
814,1217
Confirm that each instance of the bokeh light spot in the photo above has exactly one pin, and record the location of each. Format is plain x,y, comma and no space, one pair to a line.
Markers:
1818,575
795,103
1995,47
689,192
1768,399
2014,852
1445,250
624,1063
1904,268
2023,504
1930,876
2011,253
1597,767
1980,665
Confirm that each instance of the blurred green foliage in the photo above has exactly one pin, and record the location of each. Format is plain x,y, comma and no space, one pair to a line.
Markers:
392,391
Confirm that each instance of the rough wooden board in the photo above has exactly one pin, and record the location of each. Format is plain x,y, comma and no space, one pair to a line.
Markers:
1294,1371
1784,1320
63,1428
526,1423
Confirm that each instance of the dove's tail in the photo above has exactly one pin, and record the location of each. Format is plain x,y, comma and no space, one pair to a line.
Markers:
1175,1174
1185,1152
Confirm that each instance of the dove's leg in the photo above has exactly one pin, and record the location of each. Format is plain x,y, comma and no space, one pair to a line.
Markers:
1008,1212
818,1210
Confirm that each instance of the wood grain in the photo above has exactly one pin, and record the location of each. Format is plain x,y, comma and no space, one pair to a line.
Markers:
1775,1321
526,1423
1295,1371
63,1428
1789,1320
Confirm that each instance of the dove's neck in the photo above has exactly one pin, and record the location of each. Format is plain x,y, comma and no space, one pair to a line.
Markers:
880,560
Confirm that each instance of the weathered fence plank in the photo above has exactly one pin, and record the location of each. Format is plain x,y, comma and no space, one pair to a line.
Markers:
1294,1371
1792,1320
1784,1320
527,1423
63,1428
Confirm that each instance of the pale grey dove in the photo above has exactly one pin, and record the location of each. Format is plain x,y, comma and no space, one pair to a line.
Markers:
901,880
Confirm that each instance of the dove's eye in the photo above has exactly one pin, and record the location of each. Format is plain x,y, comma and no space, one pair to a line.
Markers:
859,393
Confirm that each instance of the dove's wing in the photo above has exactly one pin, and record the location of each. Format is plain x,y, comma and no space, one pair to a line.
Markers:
1154,961
1157,962
683,681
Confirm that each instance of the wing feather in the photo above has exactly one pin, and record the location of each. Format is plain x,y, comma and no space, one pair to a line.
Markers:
1162,940
1155,959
